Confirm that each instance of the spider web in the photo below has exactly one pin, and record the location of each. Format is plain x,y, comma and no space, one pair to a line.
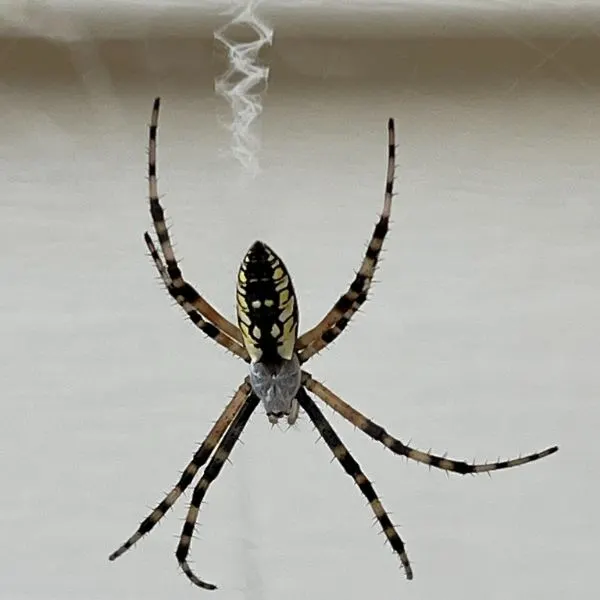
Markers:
245,79
242,34
549,53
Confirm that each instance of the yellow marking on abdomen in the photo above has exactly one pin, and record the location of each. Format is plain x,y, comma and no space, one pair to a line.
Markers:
266,306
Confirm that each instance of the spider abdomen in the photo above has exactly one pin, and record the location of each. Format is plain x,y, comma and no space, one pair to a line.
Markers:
266,306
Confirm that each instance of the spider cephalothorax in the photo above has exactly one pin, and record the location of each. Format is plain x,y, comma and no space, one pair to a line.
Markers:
267,339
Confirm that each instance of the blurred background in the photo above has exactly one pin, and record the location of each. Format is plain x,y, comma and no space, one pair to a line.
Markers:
481,338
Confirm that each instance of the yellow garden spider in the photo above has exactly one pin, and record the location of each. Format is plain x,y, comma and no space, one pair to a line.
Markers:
267,339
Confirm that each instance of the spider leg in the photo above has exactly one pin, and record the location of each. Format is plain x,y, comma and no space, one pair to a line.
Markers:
211,330
353,469
334,322
179,289
200,457
210,474
379,434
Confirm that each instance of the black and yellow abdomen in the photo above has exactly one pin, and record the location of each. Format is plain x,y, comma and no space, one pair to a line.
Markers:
267,309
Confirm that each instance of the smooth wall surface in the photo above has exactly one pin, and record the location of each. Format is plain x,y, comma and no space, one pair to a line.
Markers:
481,338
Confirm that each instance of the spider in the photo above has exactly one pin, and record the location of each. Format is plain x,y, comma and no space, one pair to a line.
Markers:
267,339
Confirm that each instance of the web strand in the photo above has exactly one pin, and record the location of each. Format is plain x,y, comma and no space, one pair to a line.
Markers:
245,80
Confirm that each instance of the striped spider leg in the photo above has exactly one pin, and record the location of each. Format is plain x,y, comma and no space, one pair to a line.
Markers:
379,434
194,315
336,320
223,423
205,317
353,469
210,474
267,338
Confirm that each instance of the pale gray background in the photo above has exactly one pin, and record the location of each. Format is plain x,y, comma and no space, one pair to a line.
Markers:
481,339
